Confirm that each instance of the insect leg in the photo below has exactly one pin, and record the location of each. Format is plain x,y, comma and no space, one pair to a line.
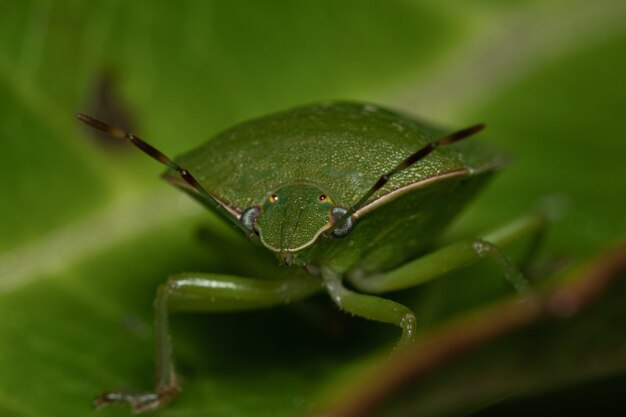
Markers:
456,256
370,306
203,293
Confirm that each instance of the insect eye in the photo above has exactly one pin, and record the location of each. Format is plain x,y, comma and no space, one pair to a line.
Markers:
248,218
273,198
323,198
344,229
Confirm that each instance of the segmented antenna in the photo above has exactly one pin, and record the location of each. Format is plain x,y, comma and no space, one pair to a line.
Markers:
406,163
119,133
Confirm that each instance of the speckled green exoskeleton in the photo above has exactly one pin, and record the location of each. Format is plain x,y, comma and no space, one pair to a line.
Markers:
345,191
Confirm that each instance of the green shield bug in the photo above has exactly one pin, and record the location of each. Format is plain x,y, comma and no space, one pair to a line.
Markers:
346,191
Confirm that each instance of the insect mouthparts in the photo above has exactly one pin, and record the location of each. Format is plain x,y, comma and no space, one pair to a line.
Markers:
285,257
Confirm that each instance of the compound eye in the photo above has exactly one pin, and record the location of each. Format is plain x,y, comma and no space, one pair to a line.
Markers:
343,229
248,218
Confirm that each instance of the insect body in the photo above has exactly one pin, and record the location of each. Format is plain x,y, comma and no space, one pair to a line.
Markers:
344,190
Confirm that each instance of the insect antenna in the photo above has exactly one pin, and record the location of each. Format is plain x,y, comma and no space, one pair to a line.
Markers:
119,133
406,163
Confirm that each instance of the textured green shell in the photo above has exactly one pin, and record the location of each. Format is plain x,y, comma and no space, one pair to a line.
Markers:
341,147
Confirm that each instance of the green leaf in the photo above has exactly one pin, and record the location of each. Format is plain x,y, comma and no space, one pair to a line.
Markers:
566,333
87,233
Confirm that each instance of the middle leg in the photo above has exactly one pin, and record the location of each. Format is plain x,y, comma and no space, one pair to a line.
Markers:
456,256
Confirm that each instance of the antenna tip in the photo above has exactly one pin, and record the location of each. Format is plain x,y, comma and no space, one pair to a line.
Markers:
88,120
82,117
462,134
104,127
476,128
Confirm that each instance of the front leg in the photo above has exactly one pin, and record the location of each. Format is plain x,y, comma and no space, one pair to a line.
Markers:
370,306
203,293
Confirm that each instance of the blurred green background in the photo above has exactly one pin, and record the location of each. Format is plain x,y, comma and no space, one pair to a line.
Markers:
88,231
